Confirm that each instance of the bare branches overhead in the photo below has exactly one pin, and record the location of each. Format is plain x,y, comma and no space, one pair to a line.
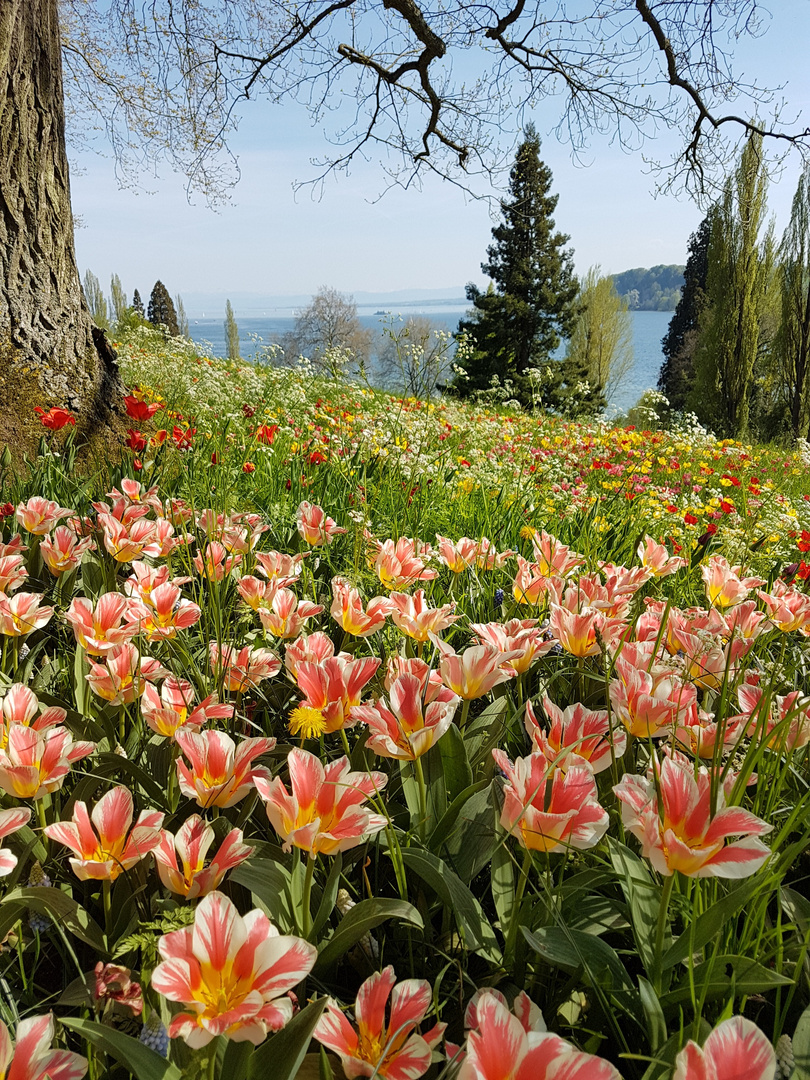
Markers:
423,86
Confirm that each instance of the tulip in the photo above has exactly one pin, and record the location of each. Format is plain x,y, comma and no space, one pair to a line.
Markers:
32,1057
233,973
54,419
63,550
333,687
36,762
521,635
220,772
39,516
501,1049
314,526
790,720
19,706
315,648
649,703
577,736
430,681
278,567
103,842
474,672
683,833
127,542
530,585
144,579
99,630
242,668
407,728
568,816
10,822
416,619
401,564
123,677
528,1014
789,609
324,812
582,633
165,613
189,879
114,983
12,573
347,610
286,615
457,556
655,558
214,562
735,1050
724,586
174,707
393,1050
553,558
21,614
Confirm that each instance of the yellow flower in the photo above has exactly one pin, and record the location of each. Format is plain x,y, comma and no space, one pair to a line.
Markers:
306,721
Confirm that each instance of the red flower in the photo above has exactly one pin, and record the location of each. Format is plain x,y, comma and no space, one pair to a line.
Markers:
248,467
672,508
248,410
317,458
266,433
6,510
139,410
159,437
804,543
689,519
136,441
54,418
183,438
711,528
726,506
215,458
804,571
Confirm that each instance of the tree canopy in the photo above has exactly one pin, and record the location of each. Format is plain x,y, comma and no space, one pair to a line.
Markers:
428,88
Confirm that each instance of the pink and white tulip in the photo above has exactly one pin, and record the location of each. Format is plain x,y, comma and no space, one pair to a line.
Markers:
11,821
242,669
39,516
31,1056
233,974
101,628
407,728
315,527
334,687
476,671
181,859
284,615
577,736
63,551
22,614
124,675
174,707
37,762
413,616
735,1050
347,610
164,613
219,772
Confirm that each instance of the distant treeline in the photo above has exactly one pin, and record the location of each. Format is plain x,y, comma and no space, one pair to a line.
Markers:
656,289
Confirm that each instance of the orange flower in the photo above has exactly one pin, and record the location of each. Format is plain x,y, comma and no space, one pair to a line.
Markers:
54,418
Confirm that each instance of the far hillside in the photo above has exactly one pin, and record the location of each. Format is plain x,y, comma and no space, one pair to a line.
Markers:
656,289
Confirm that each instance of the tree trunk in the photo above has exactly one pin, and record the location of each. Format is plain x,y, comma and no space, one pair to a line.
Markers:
50,353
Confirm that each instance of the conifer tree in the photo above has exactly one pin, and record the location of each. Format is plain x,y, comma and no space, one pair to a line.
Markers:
681,339
137,304
118,298
231,333
738,276
517,324
96,301
161,310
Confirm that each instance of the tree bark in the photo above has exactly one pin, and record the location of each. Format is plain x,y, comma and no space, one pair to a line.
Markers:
50,353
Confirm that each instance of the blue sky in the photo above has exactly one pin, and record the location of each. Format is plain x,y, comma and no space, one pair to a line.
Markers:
273,241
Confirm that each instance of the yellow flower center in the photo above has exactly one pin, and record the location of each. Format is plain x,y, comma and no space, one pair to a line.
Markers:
306,721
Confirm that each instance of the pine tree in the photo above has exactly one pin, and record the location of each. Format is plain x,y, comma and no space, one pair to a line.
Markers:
231,333
137,304
736,286
517,325
679,344
161,310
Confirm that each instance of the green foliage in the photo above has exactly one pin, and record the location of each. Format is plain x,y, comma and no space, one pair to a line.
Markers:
161,310
682,336
656,289
792,346
96,301
118,299
517,324
231,333
601,341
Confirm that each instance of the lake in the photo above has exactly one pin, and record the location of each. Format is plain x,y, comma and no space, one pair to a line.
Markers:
649,328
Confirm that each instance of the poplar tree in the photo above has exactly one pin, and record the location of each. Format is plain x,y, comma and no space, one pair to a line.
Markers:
182,318
96,301
736,284
602,337
161,310
118,298
231,333
682,336
793,337
518,324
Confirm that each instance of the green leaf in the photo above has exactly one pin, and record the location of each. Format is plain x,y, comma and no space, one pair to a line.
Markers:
721,977
281,1056
448,823
485,731
458,775
270,882
643,897
63,909
469,846
502,883
653,1013
236,1060
801,1047
328,897
710,923
472,923
81,688
109,764
139,1059
363,918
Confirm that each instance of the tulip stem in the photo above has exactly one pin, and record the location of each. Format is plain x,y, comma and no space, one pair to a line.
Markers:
306,913
346,746
420,780
212,1061
106,891
660,929
465,708
511,936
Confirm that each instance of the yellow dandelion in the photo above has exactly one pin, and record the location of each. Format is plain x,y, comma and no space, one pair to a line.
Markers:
306,721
